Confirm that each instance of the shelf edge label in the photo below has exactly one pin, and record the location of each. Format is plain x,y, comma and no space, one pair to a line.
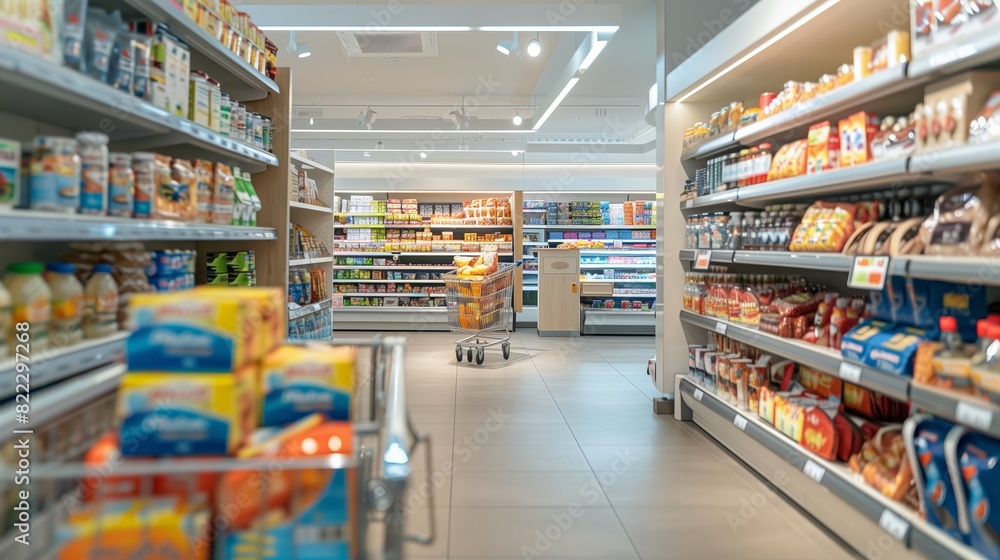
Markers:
740,422
868,272
702,260
893,524
698,394
974,415
721,327
814,470
850,372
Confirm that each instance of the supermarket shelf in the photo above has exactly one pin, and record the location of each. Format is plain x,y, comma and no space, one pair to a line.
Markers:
310,165
823,359
947,269
617,321
590,266
312,207
963,409
424,268
719,200
421,254
529,288
421,226
535,210
558,227
367,281
241,80
58,400
969,53
837,103
390,319
955,161
193,465
641,296
29,225
633,252
530,271
54,365
35,88
387,310
833,494
304,310
391,295
305,262
535,243
711,147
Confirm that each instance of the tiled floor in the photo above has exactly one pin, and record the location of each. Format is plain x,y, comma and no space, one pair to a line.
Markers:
557,454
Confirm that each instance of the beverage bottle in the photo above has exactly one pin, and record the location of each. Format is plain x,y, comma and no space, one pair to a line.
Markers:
951,364
67,304
986,365
100,316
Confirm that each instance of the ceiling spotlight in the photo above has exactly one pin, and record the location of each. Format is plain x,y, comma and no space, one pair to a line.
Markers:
508,47
534,48
504,47
370,117
463,146
459,118
423,155
379,146
517,119
304,50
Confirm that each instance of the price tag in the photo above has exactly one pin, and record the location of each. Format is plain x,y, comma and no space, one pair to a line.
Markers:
814,470
698,394
893,524
721,328
689,203
974,415
740,422
850,372
868,273
702,260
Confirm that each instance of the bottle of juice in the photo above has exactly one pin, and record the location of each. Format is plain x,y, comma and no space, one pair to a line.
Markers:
951,364
31,304
986,366
100,317
67,304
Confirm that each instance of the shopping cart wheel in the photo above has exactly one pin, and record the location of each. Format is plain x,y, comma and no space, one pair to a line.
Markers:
469,355
480,356
458,352
506,350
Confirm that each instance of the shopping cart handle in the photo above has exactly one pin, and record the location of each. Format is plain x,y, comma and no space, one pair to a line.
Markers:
518,263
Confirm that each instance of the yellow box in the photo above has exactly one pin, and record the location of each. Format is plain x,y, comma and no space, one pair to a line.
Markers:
186,413
296,381
271,311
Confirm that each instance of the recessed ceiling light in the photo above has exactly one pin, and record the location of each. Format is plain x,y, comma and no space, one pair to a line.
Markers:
311,121
534,48
423,155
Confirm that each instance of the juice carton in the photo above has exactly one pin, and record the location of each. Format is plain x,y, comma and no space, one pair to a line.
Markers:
186,414
296,381
135,528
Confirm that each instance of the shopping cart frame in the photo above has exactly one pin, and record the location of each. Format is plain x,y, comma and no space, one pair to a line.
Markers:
495,292
384,468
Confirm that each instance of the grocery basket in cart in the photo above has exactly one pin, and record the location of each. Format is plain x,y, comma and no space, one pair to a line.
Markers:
481,305
347,498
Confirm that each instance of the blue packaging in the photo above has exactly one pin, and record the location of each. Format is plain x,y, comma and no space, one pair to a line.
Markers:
854,345
930,300
893,351
925,445
974,463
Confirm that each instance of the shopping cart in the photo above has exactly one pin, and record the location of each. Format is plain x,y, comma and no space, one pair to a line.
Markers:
373,478
481,305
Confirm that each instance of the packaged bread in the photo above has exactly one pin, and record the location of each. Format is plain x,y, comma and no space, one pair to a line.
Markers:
857,239
905,239
825,228
991,241
958,225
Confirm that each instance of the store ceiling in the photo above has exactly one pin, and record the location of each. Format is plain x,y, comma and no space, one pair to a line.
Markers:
417,93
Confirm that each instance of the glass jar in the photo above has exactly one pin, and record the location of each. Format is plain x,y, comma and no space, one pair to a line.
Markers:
720,231
705,232
765,160
93,148
121,186
54,182
735,231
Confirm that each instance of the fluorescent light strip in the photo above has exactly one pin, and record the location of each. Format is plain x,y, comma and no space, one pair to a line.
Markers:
555,102
465,132
764,46
595,51
444,28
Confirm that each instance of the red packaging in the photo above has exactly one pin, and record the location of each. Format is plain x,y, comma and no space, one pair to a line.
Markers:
818,433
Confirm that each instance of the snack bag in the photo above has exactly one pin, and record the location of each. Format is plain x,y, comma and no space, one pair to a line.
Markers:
958,225
973,461
925,447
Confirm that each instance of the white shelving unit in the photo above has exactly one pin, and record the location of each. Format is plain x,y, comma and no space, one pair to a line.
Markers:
765,41
317,219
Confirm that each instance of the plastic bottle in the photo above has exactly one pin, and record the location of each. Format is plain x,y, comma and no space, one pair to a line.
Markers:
100,318
986,366
952,367
32,304
93,148
5,316
67,304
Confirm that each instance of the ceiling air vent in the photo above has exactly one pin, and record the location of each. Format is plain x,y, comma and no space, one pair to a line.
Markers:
363,44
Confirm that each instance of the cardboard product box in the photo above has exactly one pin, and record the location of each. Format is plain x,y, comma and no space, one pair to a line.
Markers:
856,135
297,381
823,151
950,106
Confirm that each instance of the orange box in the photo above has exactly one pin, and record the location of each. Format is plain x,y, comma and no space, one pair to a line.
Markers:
856,134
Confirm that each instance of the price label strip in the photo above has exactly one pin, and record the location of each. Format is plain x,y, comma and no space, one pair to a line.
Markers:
814,470
893,524
721,328
850,372
974,415
868,273
740,422
702,260
698,394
